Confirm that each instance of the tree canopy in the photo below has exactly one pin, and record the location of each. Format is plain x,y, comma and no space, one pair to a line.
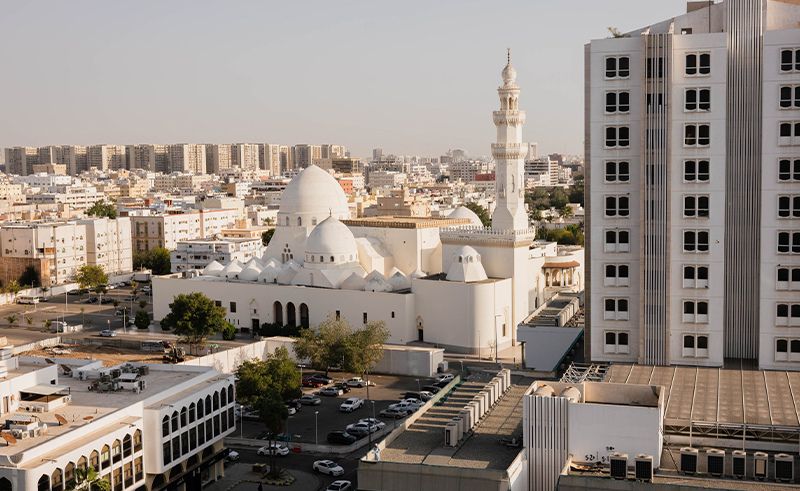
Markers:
479,210
277,374
266,236
29,277
102,209
156,260
195,317
142,320
91,277
335,343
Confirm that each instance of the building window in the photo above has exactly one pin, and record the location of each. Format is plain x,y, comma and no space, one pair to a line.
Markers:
365,318
787,314
618,102
695,311
617,206
789,97
788,278
697,100
789,206
695,206
790,60
696,135
655,69
696,170
789,133
618,171
695,345
618,136
788,242
165,426
167,451
616,275
616,342
617,67
787,349
175,421
616,309
695,241
338,315
698,64
788,170
695,276
233,308
617,240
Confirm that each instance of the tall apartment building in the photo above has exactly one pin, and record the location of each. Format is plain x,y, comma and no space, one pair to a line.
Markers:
187,157
465,170
245,156
218,157
150,232
20,159
147,156
106,157
108,244
270,158
304,155
693,188
330,151
542,170
59,245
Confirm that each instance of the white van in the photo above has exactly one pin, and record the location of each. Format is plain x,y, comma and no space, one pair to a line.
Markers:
28,299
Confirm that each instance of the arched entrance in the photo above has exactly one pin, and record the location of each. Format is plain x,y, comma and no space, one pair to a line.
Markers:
304,315
277,313
5,484
291,315
44,483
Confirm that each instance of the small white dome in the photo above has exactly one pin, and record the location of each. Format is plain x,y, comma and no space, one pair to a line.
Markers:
376,282
269,274
314,192
466,266
331,242
213,269
250,273
464,212
231,270
288,272
353,282
399,281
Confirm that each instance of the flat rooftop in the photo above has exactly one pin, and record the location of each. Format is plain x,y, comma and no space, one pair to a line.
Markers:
423,441
405,222
719,395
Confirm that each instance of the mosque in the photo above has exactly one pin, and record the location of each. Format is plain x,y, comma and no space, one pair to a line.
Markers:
450,282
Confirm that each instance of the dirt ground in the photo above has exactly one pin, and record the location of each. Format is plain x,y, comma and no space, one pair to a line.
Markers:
108,354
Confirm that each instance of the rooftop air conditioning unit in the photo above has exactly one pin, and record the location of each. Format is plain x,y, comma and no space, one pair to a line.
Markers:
451,434
618,465
715,462
784,467
739,463
760,465
644,468
689,460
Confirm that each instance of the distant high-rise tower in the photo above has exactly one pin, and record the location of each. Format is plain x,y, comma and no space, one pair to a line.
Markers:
509,154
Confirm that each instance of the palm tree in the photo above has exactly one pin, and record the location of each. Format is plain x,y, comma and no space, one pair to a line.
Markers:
12,319
86,478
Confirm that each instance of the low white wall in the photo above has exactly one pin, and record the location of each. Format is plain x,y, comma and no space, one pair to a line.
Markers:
545,346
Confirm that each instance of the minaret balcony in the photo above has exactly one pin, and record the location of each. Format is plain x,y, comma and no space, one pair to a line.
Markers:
509,151
509,118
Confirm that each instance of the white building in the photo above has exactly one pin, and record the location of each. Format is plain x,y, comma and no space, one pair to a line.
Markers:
166,231
386,179
447,281
108,244
196,254
163,426
61,244
697,120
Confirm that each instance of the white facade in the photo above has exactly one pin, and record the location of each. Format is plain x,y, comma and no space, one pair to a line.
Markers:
108,244
166,231
693,294
196,254
62,243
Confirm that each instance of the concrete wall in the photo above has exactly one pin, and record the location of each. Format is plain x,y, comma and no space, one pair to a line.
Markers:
545,346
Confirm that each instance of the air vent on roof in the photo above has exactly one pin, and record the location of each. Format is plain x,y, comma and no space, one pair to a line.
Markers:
689,460
618,465
644,468
739,463
715,462
760,465
784,468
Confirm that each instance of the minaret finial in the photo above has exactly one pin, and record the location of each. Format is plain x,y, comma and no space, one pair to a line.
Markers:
508,51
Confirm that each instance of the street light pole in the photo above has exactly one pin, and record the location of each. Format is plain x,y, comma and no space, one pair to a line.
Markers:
369,426
316,434
419,389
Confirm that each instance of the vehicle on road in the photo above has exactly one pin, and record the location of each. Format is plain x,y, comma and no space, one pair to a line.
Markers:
341,438
106,300
404,406
362,428
295,403
251,415
395,413
322,378
108,333
342,385
381,425
445,377
310,400
233,456
423,396
274,448
441,384
120,312
291,411
351,404
339,486
359,382
431,388
328,467
28,299
92,300
310,382
331,392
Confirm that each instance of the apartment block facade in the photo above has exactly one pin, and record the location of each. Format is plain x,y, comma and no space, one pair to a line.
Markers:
693,188
108,244
150,232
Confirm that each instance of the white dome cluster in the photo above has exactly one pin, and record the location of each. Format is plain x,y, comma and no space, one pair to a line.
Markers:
330,243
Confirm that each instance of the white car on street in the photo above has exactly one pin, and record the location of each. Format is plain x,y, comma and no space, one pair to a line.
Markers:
445,377
328,467
274,449
351,404
404,406
340,486
380,424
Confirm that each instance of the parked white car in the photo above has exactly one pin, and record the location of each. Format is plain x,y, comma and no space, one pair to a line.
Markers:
380,424
340,486
328,467
274,448
361,428
351,404
445,377
357,382
404,406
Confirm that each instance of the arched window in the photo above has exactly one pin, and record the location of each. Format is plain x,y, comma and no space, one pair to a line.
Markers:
277,313
208,404
83,464
94,460
304,315
322,259
5,484
183,417
314,221
69,475
105,457
291,319
332,259
137,440
299,221
192,407
165,426
175,421
230,394
127,446
116,451
216,400
56,480
44,483
200,411
223,398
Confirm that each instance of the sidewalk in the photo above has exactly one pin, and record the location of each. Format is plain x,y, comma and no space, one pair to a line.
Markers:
240,477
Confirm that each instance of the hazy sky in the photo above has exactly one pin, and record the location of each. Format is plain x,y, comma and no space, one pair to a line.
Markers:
413,77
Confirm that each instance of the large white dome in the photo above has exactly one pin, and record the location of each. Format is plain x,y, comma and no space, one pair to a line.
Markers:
464,212
331,242
315,193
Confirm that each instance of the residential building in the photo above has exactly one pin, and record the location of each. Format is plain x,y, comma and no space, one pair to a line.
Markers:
330,151
693,190
386,179
108,244
166,231
196,254
304,155
465,170
106,157
187,158
218,157
346,165
270,158
544,171
62,244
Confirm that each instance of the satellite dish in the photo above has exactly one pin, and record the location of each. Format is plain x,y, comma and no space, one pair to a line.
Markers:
9,438
61,419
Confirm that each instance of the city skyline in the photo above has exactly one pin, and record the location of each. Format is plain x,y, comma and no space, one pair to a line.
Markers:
269,84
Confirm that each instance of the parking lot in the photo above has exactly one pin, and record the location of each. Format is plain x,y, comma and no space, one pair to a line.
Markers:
308,427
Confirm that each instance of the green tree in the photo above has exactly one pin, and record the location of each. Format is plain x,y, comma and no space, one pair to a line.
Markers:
266,236
29,277
272,412
277,374
86,478
12,319
535,215
229,332
558,198
156,260
102,209
29,320
195,317
142,303
142,320
365,348
12,287
91,277
538,199
576,193
479,210
326,346
566,212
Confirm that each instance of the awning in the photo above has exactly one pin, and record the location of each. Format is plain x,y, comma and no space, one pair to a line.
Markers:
568,264
46,389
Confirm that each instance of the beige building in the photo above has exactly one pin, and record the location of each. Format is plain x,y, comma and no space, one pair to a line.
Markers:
270,158
62,243
150,232
187,157
106,157
108,244
218,157
304,155
147,156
